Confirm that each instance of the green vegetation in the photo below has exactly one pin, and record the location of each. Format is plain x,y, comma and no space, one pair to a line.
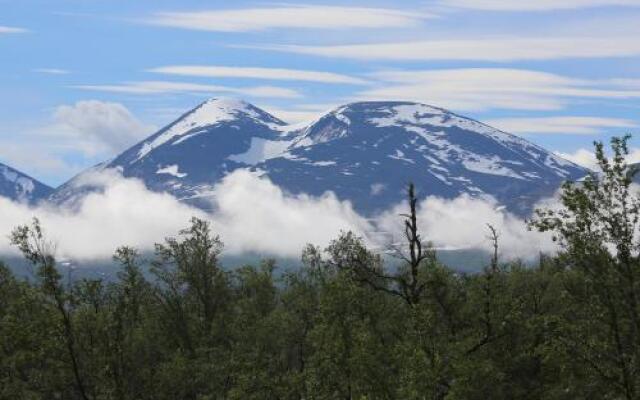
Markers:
343,325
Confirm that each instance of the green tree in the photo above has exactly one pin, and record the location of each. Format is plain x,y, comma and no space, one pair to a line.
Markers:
597,227
31,241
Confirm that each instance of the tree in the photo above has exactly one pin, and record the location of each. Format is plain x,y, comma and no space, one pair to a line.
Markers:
597,227
31,241
194,294
189,270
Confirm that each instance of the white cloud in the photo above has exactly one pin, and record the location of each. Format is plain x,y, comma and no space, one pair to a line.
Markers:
77,135
300,113
490,88
292,116
499,49
461,223
10,29
583,157
535,5
257,73
159,87
587,158
37,159
294,16
52,71
571,125
626,83
103,125
253,215
634,155
126,213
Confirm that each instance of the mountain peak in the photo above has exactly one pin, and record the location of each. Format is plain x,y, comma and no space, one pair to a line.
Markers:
214,111
338,123
407,116
397,113
224,109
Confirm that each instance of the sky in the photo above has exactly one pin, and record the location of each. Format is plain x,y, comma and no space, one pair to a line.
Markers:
82,80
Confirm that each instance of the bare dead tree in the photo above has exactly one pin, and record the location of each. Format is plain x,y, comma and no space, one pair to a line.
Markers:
417,253
407,283
489,294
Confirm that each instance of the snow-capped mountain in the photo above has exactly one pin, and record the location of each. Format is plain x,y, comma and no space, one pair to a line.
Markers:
368,152
20,187
364,152
190,155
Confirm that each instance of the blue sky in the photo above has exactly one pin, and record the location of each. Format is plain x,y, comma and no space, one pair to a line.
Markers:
82,80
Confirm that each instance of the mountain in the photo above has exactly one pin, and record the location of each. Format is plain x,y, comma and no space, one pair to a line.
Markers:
20,187
365,152
190,155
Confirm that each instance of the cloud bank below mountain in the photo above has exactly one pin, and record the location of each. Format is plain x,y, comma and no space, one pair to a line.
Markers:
252,215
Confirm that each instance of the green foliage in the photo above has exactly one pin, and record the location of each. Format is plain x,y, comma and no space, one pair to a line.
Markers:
344,325
598,231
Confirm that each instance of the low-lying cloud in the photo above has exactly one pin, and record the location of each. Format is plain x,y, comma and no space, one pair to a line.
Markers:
462,223
253,215
125,212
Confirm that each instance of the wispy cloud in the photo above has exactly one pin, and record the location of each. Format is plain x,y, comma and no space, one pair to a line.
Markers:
214,71
570,125
490,88
534,5
11,29
290,16
626,83
159,87
51,71
499,49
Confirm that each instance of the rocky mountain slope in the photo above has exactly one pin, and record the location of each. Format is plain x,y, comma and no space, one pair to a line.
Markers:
18,186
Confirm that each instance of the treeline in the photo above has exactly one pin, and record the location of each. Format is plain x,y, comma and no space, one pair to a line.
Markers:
343,325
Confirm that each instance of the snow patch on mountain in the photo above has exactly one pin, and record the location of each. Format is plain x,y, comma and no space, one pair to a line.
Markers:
323,163
25,185
261,150
18,186
399,155
490,166
171,170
